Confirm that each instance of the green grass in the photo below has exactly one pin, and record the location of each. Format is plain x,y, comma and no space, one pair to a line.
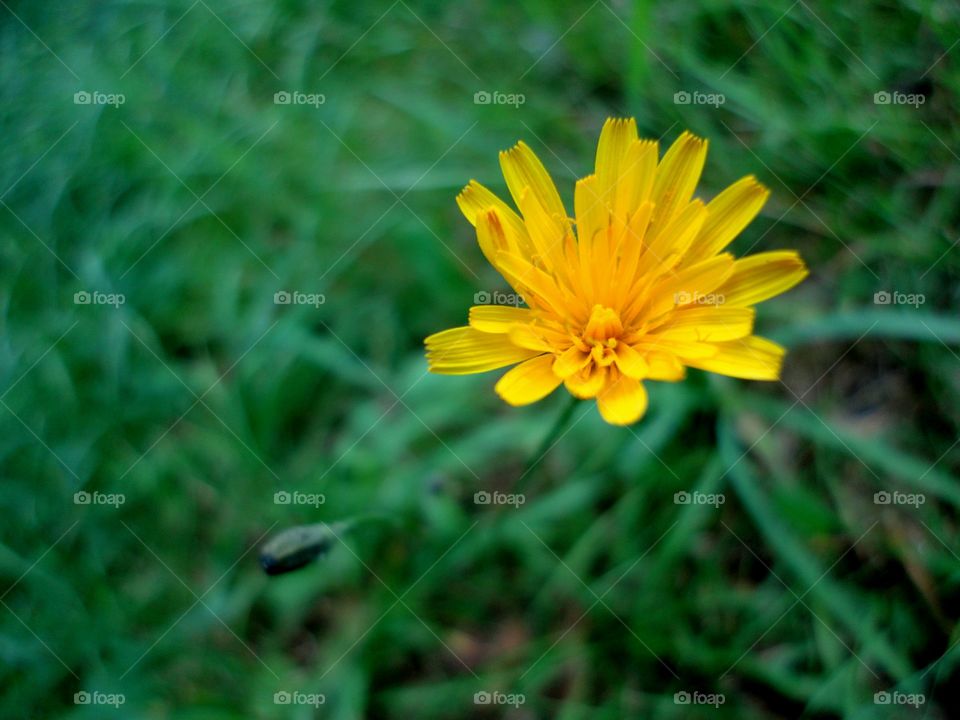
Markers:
198,398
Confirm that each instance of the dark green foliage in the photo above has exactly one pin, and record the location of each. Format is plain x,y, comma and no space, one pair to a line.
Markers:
199,398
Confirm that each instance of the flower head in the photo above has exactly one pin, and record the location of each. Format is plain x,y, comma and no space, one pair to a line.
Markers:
638,287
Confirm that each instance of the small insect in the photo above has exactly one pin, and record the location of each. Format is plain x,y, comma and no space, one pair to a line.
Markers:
295,547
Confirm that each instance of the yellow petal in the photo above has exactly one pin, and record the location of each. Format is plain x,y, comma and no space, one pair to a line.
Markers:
545,233
631,249
727,215
758,277
635,237
533,337
630,362
538,288
528,382
642,164
751,358
681,349
465,350
522,169
497,318
677,176
664,367
571,361
615,181
541,333
493,240
475,199
571,258
707,323
592,215
693,284
587,383
669,243
623,401
592,220
490,235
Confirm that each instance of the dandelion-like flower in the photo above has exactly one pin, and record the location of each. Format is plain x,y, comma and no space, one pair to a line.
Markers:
637,288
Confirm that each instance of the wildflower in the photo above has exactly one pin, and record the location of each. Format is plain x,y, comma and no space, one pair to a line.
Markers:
637,288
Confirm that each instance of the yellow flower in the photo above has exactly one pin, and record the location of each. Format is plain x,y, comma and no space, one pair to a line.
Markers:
641,291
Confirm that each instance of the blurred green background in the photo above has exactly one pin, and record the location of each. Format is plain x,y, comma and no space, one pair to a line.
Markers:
199,397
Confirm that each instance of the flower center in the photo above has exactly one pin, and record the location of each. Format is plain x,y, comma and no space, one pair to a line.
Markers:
599,337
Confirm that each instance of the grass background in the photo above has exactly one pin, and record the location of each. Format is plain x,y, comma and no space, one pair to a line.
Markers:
199,398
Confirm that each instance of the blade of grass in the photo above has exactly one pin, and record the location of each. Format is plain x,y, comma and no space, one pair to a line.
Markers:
914,472
867,323
813,575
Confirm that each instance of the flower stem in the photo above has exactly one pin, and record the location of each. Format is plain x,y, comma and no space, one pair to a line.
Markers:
559,427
